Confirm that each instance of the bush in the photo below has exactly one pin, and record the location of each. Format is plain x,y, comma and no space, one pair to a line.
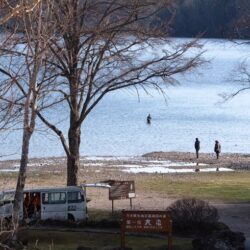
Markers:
193,216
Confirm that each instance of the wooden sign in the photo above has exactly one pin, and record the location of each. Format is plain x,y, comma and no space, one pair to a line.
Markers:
146,222
122,190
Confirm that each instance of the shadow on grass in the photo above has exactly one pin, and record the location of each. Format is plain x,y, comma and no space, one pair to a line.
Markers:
55,240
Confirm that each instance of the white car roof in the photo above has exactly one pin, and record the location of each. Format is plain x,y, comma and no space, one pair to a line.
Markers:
44,189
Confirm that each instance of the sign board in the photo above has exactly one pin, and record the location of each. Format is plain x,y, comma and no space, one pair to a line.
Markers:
146,222
121,190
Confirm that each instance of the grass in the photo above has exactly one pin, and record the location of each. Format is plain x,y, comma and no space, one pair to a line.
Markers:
219,186
55,240
226,187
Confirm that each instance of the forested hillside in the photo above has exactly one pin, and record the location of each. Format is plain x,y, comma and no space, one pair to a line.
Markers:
211,18
189,18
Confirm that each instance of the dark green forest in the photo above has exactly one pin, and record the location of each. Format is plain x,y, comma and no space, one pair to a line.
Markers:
206,18
209,18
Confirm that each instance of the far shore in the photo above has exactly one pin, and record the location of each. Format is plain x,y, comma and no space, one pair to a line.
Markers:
238,161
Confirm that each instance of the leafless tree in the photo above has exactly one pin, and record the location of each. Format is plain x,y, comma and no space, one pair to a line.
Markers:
98,47
14,8
241,75
241,78
101,47
23,75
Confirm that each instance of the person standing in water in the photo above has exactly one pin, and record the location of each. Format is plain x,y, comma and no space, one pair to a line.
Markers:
197,147
149,119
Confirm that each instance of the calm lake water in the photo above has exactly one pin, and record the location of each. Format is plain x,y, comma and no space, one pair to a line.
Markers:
118,126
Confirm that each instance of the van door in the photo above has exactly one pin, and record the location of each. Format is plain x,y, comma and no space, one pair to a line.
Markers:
54,205
32,205
76,205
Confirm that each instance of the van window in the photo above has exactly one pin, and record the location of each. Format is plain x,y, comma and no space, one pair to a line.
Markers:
54,198
7,198
75,197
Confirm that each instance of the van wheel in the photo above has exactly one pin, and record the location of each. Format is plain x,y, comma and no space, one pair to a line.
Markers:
71,217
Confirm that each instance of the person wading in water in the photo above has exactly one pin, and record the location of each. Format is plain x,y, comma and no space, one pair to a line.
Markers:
149,119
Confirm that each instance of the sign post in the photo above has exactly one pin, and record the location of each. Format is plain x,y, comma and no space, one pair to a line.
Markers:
145,222
121,190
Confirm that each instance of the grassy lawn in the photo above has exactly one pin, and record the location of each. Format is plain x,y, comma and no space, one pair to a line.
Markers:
227,187
219,186
71,240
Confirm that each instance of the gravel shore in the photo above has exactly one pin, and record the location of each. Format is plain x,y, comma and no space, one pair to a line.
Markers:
229,160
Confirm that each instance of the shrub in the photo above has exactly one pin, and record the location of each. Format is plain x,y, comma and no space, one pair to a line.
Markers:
193,215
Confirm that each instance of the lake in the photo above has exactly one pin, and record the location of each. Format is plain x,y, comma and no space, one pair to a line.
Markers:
118,127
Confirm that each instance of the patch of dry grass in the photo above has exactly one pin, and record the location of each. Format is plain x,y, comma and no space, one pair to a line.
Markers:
228,187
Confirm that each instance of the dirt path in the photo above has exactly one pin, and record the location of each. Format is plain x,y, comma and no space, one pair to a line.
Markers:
236,216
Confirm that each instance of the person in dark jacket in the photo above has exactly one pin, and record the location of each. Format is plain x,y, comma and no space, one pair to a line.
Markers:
197,147
217,148
149,119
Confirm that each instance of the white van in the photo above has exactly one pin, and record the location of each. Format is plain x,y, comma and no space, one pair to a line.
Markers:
60,203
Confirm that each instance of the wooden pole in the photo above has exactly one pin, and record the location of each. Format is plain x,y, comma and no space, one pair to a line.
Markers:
130,203
122,239
112,207
169,241
170,237
123,231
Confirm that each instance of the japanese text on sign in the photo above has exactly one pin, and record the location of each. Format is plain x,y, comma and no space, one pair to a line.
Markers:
146,221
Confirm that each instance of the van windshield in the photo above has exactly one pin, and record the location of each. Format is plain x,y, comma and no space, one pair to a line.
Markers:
75,197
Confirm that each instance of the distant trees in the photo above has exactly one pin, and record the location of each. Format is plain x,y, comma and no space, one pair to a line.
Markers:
212,18
242,24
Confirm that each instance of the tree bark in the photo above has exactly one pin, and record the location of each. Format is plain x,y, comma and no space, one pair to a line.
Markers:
73,161
21,177
74,132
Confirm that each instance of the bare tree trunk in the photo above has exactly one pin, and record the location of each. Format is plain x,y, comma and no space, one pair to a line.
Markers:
27,132
30,107
21,177
74,132
73,161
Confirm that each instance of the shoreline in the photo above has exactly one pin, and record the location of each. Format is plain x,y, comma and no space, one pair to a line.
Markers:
236,161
